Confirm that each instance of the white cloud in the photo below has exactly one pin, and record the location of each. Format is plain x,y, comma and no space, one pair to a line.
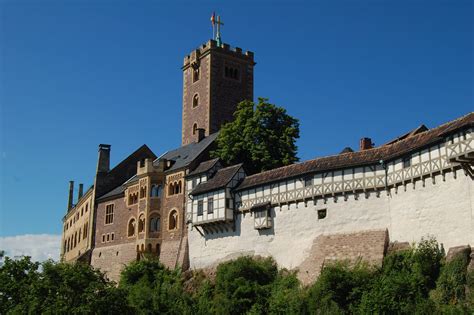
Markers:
39,246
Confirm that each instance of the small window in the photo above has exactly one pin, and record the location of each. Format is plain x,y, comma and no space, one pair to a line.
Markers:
231,72
142,192
141,224
227,202
108,237
406,162
173,220
195,100
308,181
195,127
103,238
109,214
82,212
112,236
322,214
131,228
210,205
200,207
194,182
196,74
87,207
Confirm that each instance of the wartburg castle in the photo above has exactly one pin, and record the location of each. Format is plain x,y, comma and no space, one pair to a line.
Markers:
192,211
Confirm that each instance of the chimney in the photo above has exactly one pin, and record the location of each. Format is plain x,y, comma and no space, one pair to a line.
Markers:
81,187
103,164
71,190
200,134
365,144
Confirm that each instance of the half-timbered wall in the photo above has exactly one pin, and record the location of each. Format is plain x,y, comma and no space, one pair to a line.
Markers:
419,195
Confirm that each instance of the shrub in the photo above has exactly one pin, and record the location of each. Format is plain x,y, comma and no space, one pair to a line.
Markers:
244,285
286,296
339,288
152,288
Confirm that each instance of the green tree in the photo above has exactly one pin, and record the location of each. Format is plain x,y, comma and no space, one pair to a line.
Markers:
262,136
154,289
57,288
244,285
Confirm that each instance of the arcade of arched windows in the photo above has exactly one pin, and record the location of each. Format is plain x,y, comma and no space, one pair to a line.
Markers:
76,237
175,188
156,190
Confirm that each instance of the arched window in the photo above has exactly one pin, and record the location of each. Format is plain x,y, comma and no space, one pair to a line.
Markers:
142,192
158,249
195,127
156,190
173,220
80,235
154,224
149,247
171,189
131,228
195,100
141,224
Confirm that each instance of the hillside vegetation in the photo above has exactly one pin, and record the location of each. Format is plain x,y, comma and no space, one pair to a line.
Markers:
413,281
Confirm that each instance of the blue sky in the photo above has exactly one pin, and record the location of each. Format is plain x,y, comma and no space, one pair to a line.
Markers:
78,73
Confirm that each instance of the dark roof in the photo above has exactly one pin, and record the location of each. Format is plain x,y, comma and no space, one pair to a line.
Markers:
219,180
186,154
204,167
351,159
346,150
409,134
114,192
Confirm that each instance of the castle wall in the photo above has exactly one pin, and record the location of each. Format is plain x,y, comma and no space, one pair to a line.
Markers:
113,258
443,209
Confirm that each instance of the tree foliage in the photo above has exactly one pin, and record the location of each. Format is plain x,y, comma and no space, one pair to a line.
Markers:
414,281
262,136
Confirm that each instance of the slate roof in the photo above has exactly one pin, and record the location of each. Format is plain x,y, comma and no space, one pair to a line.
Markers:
184,155
204,167
219,180
114,192
371,156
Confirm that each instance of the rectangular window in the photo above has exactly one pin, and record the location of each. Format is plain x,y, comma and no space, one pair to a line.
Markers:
227,202
103,238
308,181
210,205
406,162
200,207
112,236
109,214
322,214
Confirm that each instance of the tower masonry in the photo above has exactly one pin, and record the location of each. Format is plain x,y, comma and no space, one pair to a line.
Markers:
215,79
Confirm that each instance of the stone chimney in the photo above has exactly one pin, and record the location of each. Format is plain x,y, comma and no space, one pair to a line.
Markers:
103,163
365,144
200,134
71,191
79,195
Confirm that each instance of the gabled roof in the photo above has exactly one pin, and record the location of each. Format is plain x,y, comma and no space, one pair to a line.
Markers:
409,134
360,158
184,155
219,180
204,167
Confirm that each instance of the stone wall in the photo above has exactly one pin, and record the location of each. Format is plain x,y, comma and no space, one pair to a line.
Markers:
368,246
443,209
112,259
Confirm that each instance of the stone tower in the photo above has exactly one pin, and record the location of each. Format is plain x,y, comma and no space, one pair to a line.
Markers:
215,79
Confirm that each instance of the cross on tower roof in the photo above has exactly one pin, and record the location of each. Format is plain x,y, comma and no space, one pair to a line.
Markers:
217,36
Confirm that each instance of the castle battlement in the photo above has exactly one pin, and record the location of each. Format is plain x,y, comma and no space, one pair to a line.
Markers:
204,49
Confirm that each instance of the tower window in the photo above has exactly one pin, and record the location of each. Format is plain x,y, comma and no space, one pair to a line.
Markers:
231,72
196,74
195,127
195,100
173,220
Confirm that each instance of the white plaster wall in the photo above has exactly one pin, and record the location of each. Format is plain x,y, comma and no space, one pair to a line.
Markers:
444,210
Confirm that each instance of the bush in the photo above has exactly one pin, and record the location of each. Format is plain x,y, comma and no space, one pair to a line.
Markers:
244,285
152,288
286,296
339,288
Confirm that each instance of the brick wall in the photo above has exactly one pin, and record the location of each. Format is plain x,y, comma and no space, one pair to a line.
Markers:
368,246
